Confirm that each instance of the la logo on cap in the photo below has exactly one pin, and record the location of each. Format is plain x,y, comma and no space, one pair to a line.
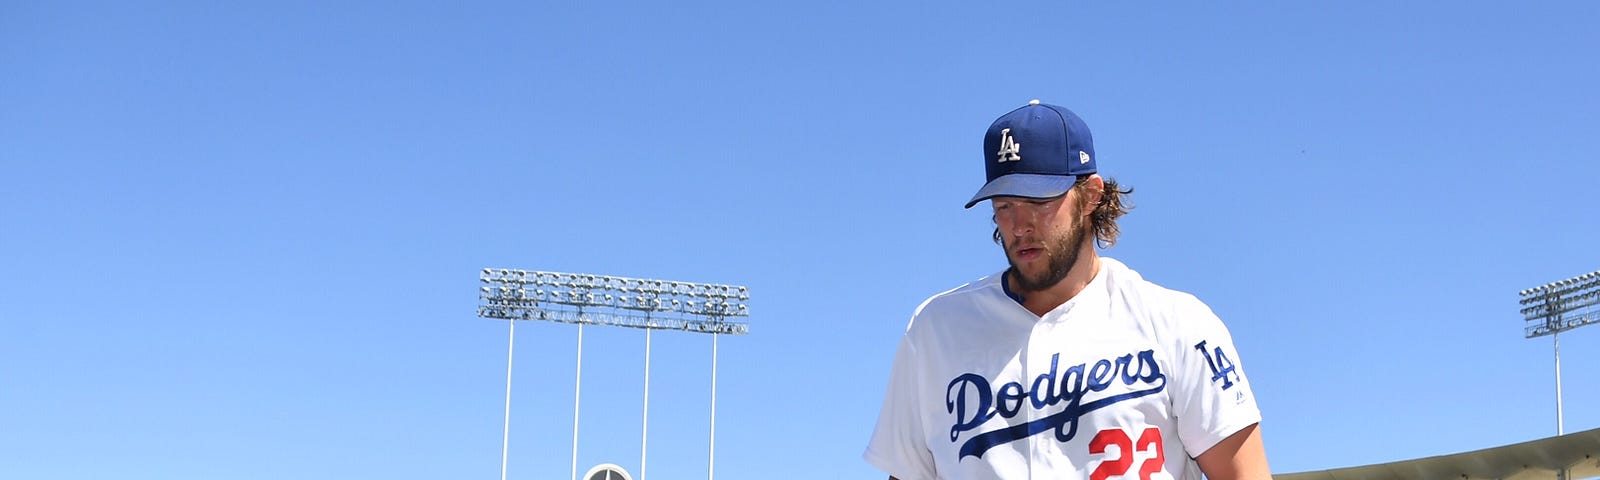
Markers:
1010,150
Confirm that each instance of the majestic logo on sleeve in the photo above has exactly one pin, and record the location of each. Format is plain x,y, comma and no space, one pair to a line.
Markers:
972,401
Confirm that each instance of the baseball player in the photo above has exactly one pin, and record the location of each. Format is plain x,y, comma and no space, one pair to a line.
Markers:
1067,364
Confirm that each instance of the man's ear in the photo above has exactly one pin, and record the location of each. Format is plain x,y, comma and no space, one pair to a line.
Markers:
1094,189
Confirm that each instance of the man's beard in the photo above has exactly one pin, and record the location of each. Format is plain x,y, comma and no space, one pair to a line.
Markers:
1061,255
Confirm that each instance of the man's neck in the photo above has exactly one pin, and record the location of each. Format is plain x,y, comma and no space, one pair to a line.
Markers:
1083,272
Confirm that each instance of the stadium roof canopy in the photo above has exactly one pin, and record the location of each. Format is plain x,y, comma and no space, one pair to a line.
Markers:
1538,459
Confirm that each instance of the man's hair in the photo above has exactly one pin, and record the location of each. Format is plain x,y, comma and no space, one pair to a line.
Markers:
1104,219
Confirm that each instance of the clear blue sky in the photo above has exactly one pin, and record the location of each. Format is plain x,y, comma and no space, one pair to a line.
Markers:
241,240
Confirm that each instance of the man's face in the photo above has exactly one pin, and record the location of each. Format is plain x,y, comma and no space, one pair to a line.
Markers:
1041,237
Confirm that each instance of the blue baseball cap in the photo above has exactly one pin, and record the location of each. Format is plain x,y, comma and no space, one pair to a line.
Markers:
1036,151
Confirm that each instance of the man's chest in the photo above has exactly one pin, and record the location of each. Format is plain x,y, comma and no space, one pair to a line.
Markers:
1050,388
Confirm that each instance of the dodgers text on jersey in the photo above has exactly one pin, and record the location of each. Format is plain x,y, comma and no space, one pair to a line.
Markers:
970,398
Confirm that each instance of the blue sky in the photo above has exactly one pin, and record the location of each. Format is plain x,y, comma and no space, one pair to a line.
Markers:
242,240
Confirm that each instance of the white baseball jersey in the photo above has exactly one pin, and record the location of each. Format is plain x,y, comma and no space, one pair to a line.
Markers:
1127,380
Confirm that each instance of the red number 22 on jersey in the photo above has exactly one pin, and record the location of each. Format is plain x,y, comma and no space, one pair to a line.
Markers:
1149,440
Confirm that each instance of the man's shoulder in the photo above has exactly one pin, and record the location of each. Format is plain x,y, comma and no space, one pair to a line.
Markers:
1132,288
982,289
980,299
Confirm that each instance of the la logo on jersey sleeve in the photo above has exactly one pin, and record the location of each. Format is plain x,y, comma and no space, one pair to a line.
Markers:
1224,374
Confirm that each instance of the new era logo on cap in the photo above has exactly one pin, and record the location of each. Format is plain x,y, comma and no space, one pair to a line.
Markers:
1058,150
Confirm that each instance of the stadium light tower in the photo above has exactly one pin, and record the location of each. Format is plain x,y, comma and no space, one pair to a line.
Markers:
1556,307
586,299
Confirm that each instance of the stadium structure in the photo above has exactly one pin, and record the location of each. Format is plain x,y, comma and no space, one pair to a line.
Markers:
601,300
1577,454
1547,310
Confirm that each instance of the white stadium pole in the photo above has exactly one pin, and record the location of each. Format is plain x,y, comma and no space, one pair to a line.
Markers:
1560,428
644,434
711,464
505,440
577,391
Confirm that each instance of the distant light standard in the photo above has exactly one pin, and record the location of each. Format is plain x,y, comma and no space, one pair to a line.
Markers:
1556,307
586,299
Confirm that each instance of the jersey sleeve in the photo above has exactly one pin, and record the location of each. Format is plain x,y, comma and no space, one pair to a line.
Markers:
898,446
1210,393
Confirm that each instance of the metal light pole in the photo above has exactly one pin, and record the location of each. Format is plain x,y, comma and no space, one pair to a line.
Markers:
1556,307
644,429
505,440
711,463
586,299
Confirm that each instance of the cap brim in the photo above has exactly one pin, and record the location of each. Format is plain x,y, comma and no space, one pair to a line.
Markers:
1024,185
